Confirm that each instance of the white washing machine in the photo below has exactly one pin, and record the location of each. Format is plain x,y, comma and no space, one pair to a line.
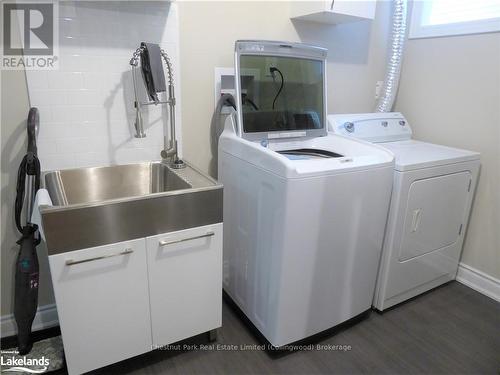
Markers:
304,211
430,206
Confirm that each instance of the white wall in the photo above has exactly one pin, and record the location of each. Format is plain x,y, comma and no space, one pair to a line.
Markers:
357,55
86,106
450,93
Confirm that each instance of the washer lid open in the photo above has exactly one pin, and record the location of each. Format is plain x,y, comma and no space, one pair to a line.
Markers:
285,96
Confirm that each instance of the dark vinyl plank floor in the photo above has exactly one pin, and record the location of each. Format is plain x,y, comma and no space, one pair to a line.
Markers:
450,330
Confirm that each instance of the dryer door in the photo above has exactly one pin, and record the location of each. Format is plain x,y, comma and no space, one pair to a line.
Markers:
434,214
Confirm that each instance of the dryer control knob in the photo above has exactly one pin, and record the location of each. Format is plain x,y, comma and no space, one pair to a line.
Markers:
349,126
402,122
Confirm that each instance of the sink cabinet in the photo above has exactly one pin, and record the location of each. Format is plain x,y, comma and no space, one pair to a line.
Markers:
185,283
121,300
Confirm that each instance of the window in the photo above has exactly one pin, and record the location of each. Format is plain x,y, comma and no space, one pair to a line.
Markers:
433,18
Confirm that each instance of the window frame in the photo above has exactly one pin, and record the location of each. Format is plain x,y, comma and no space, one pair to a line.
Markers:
417,30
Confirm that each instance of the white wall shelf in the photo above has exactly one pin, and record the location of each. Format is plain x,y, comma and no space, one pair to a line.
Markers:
333,12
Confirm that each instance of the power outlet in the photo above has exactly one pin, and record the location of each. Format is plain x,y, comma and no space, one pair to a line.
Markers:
270,62
224,81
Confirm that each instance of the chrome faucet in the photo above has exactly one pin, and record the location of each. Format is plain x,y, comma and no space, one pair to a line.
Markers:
169,151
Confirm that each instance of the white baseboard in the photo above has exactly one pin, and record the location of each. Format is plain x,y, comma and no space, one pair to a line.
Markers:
46,317
479,281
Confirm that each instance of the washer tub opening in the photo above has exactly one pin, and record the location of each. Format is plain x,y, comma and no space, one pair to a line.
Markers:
309,153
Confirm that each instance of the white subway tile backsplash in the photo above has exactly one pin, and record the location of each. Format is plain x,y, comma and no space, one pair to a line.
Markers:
82,144
92,159
48,97
84,97
69,27
109,81
44,110
37,80
86,107
63,80
125,156
46,146
53,131
71,145
77,63
67,9
58,161
67,113
89,129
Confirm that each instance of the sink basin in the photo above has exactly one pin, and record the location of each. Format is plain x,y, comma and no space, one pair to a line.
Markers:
105,205
86,185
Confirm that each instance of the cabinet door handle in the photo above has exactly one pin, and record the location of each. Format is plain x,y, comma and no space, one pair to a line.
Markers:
166,242
71,262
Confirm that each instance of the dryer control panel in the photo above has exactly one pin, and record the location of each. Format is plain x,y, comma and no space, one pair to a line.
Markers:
372,127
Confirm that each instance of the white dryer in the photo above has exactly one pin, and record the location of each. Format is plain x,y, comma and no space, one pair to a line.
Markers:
430,205
304,211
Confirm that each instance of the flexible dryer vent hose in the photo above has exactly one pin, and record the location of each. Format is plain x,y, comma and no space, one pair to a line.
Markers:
391,83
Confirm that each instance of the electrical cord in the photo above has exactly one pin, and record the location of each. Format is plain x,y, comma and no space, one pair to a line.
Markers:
273,70
245,99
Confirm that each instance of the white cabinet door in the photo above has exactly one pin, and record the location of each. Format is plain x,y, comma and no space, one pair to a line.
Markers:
103,304
362,9
185,278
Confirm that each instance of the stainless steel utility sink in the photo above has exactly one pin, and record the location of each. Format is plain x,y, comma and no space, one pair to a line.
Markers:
86,185
104,205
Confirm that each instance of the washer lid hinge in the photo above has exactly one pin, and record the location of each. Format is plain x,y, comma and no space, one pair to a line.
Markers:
470,184
460,229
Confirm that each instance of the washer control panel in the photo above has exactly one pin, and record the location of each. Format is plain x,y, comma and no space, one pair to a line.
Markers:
372,127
